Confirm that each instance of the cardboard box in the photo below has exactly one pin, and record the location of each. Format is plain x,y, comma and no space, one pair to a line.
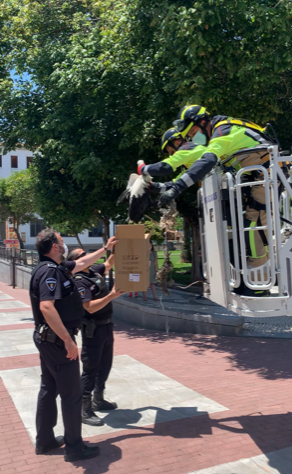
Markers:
132,258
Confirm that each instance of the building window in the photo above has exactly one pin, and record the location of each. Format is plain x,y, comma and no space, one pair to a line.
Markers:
96,231
14,161
0,161
28,161
36,227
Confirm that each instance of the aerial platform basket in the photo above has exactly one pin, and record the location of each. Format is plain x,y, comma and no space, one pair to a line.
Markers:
224,257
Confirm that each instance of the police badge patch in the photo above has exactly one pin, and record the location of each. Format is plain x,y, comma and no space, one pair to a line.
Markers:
51,283
82,292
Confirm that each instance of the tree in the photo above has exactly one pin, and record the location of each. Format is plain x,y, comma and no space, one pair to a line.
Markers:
68,111
118,75
153,228
108,78
17,200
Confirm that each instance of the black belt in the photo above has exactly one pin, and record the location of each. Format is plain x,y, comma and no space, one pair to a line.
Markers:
253,204
47,334
99,322
90,325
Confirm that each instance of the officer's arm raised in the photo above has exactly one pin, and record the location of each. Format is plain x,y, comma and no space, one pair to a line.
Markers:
91,258
109,263
53,320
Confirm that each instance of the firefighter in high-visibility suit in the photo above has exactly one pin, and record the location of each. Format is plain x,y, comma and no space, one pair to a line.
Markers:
172,143
224,137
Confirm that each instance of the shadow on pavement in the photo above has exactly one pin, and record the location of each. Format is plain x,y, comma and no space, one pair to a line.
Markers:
132,332
269,433
269,358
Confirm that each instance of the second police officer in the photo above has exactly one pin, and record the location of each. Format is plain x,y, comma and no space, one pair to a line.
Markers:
97,336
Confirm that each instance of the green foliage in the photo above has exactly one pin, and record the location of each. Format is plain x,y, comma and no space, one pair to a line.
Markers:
4,201
21,197
179,223
154,229
17,199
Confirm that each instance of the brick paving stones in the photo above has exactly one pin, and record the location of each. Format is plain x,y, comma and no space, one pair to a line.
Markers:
144,396
277,462
250,377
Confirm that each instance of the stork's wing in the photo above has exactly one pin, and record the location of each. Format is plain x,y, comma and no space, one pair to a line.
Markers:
126,194
140,199
137,192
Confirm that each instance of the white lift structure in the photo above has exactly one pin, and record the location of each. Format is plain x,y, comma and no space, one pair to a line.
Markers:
223,235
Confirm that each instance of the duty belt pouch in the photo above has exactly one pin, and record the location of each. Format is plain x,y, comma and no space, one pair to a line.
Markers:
43,332
51,336
89,327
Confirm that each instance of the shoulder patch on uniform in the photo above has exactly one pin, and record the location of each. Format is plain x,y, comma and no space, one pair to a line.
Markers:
82,292
51,283
52,265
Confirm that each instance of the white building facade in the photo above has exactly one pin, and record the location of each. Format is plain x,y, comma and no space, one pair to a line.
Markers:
18,160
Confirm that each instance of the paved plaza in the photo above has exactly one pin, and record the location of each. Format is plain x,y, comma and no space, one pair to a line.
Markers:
188,404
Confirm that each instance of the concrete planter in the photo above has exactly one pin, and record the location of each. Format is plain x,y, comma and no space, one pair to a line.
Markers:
155,318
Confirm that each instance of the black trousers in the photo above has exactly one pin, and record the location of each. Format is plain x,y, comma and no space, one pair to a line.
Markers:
97,358
60,376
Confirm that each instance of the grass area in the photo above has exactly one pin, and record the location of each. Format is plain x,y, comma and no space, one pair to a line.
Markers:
181,272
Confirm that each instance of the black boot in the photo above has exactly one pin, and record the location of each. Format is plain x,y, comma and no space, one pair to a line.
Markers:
88,416
87,452
56,443
99,404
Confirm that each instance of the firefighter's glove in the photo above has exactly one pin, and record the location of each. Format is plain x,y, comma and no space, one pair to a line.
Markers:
168,196
142,168
157,188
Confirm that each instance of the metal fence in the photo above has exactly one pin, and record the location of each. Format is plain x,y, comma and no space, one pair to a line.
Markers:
27,258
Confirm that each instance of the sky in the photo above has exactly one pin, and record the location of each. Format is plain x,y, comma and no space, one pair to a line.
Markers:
16,76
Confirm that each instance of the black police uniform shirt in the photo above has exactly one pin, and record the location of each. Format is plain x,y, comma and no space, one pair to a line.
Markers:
87,294
51,284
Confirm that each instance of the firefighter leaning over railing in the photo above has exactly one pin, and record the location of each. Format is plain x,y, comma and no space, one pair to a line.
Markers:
224,136
172,143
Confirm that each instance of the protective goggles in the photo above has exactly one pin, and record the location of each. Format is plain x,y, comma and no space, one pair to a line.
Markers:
180,125
183,126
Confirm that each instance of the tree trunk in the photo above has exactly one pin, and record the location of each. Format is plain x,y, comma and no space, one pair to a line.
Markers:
165,269
105,237
79,241
196,273
21,245
16,230
186,254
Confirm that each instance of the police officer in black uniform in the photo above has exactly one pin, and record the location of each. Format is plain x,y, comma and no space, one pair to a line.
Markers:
57,310
97,336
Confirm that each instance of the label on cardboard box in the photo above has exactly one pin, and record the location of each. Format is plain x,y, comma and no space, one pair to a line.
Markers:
134,277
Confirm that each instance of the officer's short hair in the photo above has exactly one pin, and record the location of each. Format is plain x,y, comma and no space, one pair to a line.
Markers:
45,240
73,255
